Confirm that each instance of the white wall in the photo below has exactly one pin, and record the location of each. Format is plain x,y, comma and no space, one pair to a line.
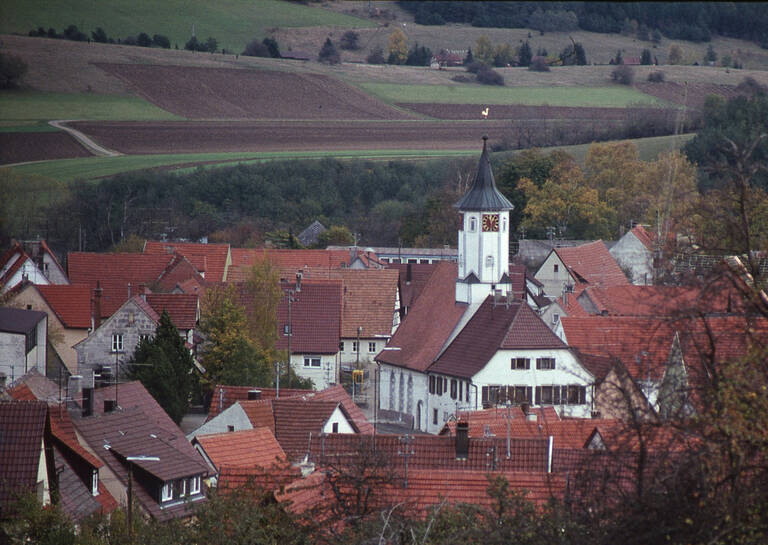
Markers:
323,376
553,281
337,417
446,405
350,356
567,371
632,254
401,390
234,415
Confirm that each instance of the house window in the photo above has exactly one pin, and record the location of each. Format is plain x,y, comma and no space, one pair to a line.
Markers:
372,347
180,488
431,384
230,428
354,346
489,261
557,267
117,342
341,346
167,492
31,340
335,427
439,386
434,416
95,482
490,395
544,395
545,363
522,394
555,318
576,394
454,387
472,224
467,392
521,363
287,329
311,361
461,390
194,485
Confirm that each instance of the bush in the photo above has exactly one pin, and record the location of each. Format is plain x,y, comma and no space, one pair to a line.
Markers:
12,68
328,53
144,40
349,40
72,33
488,76
255,48
623,74
419,56
539,64
161,41
750,86
271,45
656,77
475,66
97,35
376,56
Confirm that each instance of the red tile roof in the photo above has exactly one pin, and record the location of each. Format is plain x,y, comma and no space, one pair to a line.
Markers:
22,425
645,238
480,418
225,396
178,272
494,327
118,274
339,395
412,286
369,297
297,422
257,478
181,307
593,263
288,261
256,447
428,324
63,430
210,259
22,257
260,414
70,303
315,318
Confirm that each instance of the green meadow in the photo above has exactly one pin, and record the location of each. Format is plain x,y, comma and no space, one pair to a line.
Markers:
26,108
616,96
232,22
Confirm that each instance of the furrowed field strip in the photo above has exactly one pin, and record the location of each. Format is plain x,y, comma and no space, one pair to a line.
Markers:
609,96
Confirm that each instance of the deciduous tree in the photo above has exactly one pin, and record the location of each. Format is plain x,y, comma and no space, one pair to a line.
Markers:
397,47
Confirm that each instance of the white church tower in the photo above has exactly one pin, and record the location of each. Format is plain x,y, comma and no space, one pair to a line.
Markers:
483,237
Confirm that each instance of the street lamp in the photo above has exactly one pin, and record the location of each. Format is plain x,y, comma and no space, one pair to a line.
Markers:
130,460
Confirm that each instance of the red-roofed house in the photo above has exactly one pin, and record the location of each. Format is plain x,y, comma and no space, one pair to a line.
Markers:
589,264
212,261
36,264
114,341
634,253
69,315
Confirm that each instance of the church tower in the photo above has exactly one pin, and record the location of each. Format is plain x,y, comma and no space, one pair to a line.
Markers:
483,237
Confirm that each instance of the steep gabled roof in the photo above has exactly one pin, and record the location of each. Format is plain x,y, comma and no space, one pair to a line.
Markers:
210,259
369,297
339,395
181,307
225,396
593,263
71,303
297,422
22,425
287,261
315,318
645,238
120,275
494,327
483,194
179,271
412,279
428,325
9,267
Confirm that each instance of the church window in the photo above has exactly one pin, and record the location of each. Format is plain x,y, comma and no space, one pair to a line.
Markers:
489,261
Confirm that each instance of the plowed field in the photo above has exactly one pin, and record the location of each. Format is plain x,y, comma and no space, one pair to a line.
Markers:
220,136
19,147
222,93
517,112
691,95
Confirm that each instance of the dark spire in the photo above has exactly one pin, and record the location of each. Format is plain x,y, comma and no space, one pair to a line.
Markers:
483,194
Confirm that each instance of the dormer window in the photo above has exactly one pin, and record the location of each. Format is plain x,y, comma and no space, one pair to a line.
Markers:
95,482
194,485
166,494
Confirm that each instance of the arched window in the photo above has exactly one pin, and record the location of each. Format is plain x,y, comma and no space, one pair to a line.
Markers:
472,224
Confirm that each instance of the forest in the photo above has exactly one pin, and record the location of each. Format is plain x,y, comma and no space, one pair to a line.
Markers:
694,21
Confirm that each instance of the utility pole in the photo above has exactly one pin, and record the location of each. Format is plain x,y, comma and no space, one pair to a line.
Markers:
406,453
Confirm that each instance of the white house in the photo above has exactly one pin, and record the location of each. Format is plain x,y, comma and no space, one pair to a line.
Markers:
634,253
23,342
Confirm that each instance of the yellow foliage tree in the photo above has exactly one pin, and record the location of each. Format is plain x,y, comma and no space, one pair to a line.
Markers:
398,47
484,50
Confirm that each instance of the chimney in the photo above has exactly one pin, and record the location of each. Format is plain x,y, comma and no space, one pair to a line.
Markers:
531,417
462,440
96,314
254,395
109,405
526,408
408,274
87,402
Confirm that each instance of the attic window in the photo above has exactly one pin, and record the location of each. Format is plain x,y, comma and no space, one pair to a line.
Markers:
521,363
545,363
557,267
166,493
194,485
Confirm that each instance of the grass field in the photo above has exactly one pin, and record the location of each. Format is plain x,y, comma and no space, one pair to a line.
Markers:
232,22
66,170
23,107
25,126
615,96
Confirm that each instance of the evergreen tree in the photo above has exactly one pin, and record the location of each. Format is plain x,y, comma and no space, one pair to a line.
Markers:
469,59
164,366
328,53
645,57
525,54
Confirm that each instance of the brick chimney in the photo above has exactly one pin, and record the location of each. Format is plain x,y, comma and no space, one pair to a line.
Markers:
462,440
96,306
254,395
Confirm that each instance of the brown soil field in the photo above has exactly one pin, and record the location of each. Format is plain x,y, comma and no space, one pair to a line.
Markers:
691,95
520,112
197,136
19,147
224,93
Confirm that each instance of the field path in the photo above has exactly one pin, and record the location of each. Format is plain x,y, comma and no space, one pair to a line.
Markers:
92,146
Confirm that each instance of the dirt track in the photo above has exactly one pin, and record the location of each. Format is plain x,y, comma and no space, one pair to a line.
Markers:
518,112
197,136
19,147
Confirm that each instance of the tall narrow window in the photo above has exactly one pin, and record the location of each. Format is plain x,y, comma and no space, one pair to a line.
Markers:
167,492
434,416
194,485
335,427
117,343
454,387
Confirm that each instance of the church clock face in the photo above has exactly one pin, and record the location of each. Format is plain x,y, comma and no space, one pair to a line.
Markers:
491,223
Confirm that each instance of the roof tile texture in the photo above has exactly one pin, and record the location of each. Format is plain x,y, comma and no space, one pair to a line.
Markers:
22,425
594,263
256,447
71,304
211,259
315,318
